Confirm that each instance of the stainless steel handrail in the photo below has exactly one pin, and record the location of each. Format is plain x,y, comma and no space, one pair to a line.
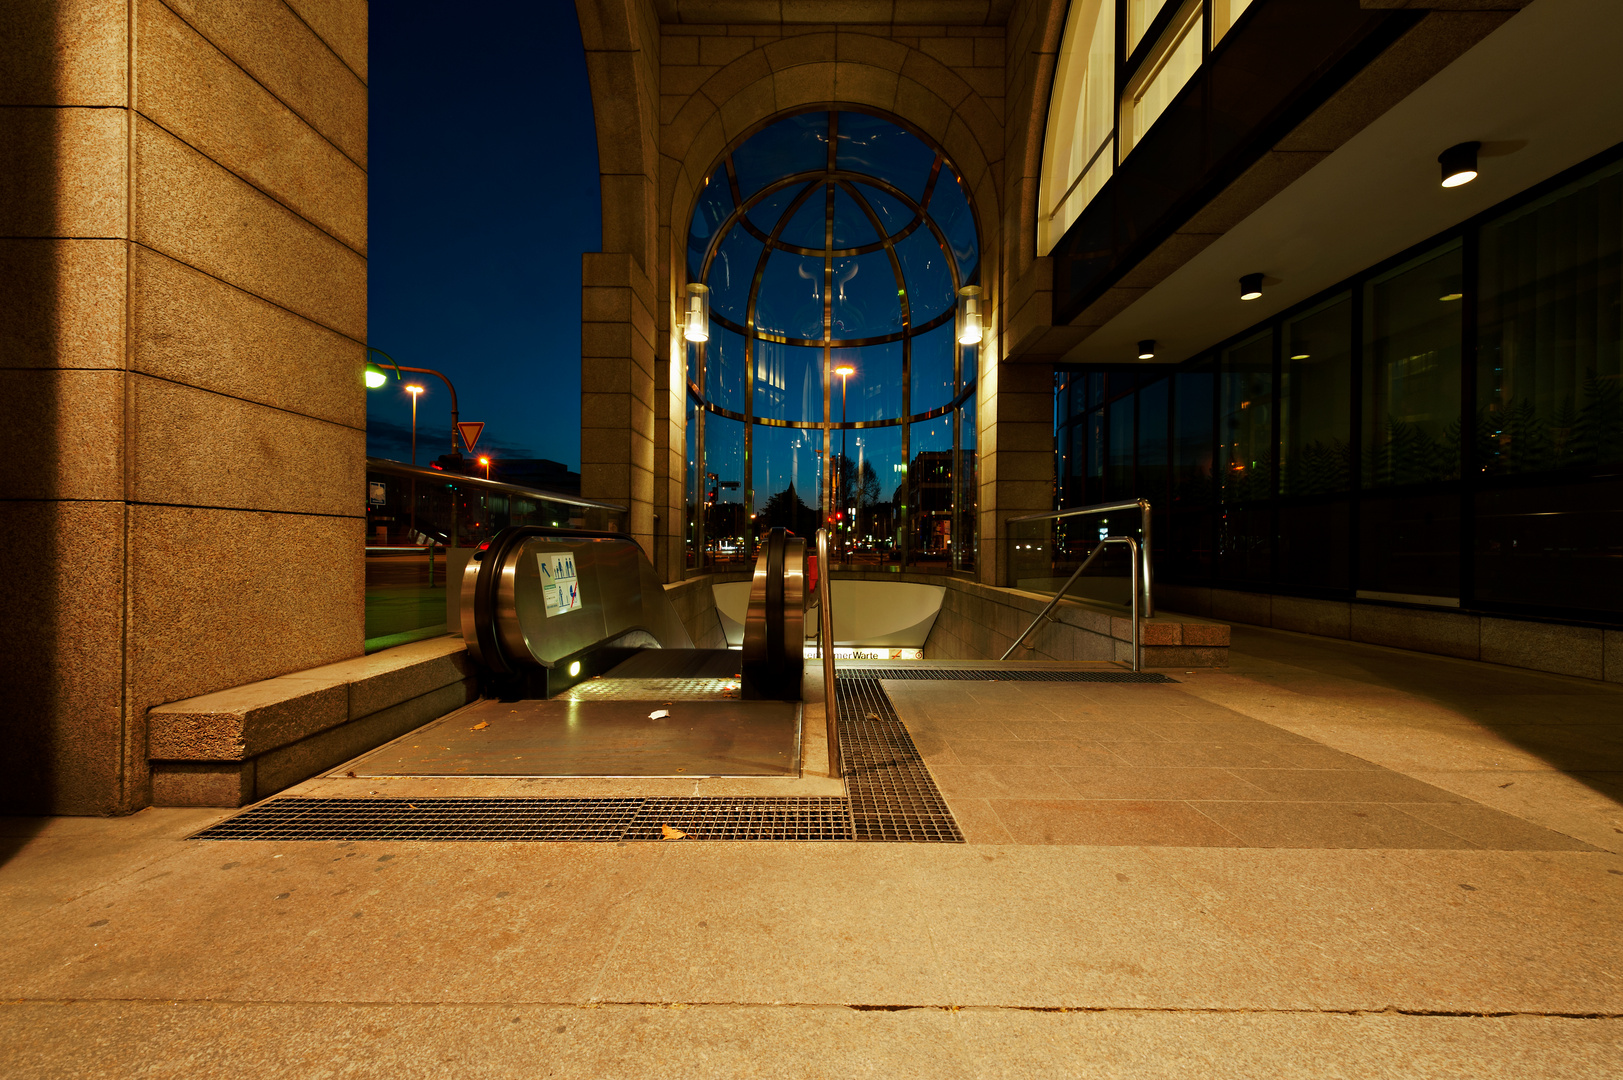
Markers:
825,631
1133,548
1143,506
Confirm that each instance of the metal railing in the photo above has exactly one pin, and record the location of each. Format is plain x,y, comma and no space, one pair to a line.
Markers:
1042,616
1059,517
825,633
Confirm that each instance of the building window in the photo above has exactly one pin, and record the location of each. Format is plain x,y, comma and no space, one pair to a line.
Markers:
1173,62
831,386
1079,153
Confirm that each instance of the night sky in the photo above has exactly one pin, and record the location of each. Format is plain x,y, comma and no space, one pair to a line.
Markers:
484,194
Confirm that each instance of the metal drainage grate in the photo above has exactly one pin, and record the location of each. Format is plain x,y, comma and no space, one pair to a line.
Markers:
517,819
891,798
1000,675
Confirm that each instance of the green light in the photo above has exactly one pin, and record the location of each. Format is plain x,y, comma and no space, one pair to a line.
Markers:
375,376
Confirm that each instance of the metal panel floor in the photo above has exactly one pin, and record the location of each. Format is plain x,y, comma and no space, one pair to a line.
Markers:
597,737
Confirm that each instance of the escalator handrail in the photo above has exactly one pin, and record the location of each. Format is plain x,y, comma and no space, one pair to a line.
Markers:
825,601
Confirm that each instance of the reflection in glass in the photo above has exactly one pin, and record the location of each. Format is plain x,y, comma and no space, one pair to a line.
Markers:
866,301
731,272
932,369
930,290
1550,367
791,298
715,203
1246,459
792,145
724,368
930,491
883,150
721,486
1411,393
870,487
788,381
874,391
788,479
1315,410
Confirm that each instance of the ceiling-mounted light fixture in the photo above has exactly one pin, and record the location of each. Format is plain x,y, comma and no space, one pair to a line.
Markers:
1452,289
1299,352
696,325
969,315
1459,163
1250,286
1146,349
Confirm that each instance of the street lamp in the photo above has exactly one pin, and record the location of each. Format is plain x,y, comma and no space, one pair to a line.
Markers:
485,461
844,371
375,377
415,391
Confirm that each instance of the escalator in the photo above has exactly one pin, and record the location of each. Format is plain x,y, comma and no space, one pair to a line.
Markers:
587,670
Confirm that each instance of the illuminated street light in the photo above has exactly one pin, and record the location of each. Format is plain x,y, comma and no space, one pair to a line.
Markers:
844,371
415,391
485,461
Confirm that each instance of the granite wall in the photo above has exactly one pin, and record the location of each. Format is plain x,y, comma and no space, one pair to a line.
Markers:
182,326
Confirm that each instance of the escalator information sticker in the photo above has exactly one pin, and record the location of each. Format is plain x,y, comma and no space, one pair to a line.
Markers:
559,585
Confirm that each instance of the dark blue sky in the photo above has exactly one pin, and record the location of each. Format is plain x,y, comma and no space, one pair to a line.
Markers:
484,194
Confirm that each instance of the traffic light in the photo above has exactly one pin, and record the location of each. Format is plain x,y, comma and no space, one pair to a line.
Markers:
451,463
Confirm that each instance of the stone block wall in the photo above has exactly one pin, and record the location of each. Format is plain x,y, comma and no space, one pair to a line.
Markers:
183,246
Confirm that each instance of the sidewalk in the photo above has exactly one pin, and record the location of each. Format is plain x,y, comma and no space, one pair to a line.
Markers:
1326,860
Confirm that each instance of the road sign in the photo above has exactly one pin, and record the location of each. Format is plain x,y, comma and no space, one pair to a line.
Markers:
469,430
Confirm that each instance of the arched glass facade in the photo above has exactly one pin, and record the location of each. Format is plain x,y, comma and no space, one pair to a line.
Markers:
833,385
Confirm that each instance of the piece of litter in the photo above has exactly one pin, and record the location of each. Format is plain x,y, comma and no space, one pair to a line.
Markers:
412,805
671,834
371,793
350,773
659,714
871,716
481,725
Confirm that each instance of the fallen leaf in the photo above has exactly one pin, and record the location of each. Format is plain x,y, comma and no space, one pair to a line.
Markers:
350,773
671,834
659,714
872,716
481,725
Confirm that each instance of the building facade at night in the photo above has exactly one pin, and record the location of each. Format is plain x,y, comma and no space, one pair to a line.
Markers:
957,262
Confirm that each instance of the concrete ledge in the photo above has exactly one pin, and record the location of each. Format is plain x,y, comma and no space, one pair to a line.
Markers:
234,746
1587,652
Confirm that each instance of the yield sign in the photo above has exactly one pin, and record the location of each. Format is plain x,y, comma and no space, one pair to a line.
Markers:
469,430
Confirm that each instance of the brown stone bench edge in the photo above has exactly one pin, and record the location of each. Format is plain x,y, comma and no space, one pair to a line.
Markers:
235,746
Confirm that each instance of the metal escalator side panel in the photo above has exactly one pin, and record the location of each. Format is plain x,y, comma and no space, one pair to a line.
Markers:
774,626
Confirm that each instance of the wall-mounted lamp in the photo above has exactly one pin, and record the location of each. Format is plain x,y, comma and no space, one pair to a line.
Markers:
696,324
1146,349
1250,286
969,315
375,376
1459,163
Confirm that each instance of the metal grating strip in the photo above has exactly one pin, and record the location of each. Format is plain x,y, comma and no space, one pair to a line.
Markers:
997,675
893,797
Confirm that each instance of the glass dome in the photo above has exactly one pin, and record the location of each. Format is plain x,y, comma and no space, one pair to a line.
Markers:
832,388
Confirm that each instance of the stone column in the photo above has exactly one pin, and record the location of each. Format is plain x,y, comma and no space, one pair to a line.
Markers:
182,328
617,388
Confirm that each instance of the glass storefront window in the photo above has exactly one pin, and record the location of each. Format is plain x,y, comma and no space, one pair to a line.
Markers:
1550,337
1411,392
1246,418
722,485
1120,482
1315,400
1080,154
